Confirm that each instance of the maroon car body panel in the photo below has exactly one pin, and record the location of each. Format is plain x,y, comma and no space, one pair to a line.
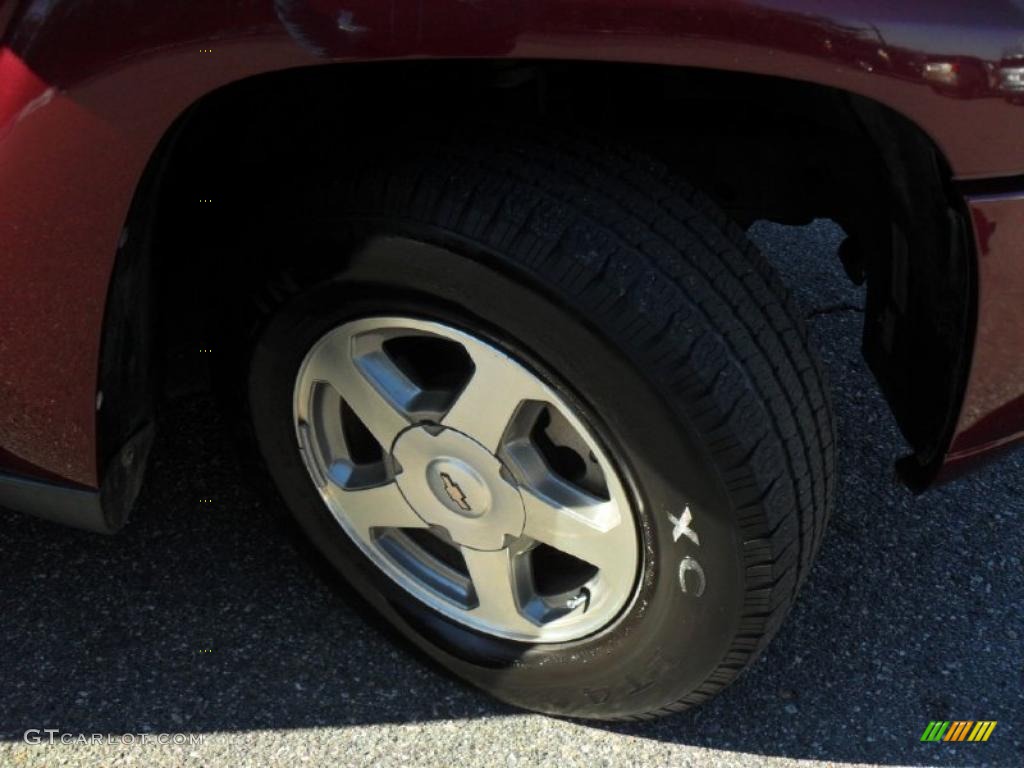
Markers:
992,415
88,88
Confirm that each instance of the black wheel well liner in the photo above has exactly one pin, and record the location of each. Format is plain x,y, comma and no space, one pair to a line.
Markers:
762,147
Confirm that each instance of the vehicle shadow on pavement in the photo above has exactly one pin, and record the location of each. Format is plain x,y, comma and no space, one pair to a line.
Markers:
202,617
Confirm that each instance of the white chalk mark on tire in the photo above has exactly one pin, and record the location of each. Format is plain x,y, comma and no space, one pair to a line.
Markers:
689,565
682,526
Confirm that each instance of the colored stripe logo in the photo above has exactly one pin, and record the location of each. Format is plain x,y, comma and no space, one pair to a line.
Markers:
958,730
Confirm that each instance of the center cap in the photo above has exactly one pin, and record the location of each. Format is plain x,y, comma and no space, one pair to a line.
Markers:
452,481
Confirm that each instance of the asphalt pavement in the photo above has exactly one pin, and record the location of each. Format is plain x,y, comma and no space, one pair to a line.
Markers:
202,618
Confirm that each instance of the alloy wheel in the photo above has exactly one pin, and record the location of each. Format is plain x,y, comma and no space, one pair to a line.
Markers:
466,478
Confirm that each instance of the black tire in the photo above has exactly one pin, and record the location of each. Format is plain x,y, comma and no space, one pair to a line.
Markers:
632,294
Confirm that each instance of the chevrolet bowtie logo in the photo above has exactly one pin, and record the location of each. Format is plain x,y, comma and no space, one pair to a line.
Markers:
455,493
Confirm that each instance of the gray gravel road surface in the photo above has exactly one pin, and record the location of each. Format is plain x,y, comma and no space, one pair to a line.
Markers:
202,618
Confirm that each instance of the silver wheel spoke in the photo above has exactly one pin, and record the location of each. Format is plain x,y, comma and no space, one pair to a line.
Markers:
575,523
382,506
353,378
495,582
490,399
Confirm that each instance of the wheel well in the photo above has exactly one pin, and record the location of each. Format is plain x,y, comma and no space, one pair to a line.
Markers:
764,148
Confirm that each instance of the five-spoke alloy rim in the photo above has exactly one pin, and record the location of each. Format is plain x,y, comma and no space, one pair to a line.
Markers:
466,478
